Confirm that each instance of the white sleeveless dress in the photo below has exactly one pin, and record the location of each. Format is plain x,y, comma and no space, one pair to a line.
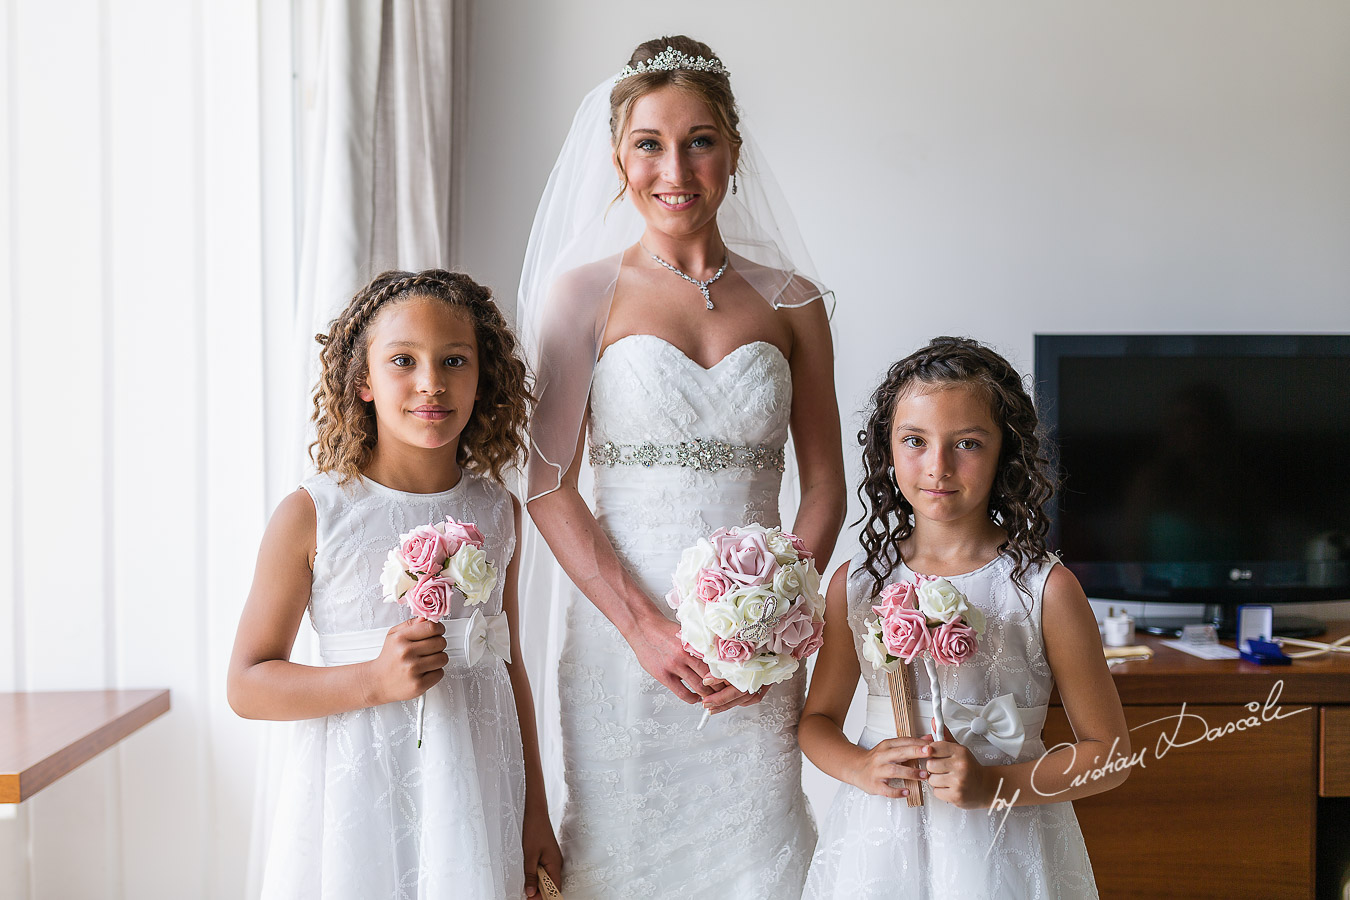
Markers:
876,847
363,812
655,808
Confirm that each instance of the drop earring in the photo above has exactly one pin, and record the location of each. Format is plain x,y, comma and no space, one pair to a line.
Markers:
733,182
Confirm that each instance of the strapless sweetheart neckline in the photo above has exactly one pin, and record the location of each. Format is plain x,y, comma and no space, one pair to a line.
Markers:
678,352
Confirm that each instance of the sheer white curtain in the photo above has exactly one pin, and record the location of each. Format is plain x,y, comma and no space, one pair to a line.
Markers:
137,256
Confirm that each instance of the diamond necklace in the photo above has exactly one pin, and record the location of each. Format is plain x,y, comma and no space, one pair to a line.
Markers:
701,285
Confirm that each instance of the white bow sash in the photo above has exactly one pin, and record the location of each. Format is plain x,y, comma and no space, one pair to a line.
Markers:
482,634
1000,722
467,641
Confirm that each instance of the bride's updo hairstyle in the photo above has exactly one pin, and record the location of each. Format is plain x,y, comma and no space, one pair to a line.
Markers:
713,88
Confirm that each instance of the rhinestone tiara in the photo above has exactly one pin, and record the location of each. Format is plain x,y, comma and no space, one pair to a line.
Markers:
671,59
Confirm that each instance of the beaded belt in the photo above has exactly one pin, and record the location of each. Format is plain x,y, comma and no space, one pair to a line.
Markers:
696,454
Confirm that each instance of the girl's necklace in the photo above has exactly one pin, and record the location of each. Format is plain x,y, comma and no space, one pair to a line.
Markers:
701,285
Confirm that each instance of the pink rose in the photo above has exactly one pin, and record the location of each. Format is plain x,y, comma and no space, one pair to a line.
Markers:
791,630
424,550
430,597
673,598
711,584
689,648
896,596
457,534
904,631
745,558
734,650
812,643
800,546
953,643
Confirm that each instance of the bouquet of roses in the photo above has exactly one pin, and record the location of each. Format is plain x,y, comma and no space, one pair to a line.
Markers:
749,605
930,618
429,564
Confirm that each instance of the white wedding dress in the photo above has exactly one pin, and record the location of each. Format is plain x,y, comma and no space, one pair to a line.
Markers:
655,808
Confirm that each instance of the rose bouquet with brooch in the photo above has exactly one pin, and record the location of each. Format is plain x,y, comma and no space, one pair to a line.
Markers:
428,566
749,605
928,618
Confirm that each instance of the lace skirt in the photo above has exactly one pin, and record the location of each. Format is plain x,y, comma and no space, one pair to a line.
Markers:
657,809
364,813
876,848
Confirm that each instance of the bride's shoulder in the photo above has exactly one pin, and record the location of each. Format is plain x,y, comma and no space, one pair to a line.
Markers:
782,287
588,280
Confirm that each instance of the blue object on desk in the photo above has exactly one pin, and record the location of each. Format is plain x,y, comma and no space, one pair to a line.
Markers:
1264,653
1254,624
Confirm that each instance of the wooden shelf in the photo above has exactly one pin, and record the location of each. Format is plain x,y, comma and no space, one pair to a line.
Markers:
46,734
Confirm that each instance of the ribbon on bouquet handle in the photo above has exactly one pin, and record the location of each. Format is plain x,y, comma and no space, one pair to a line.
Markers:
938,724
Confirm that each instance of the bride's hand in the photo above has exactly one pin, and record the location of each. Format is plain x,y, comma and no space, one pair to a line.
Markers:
725,697
657,645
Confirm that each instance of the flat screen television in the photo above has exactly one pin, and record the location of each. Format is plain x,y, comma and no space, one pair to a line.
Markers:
1202,469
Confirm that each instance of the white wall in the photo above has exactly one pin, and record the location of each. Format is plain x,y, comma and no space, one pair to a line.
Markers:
989,169
132,277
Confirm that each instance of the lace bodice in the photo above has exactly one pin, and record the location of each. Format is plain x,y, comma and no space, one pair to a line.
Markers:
359,523
647,389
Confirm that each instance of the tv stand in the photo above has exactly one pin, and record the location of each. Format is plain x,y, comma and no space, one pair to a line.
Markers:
1224,618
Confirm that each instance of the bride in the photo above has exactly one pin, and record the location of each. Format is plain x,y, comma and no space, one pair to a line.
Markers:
663,309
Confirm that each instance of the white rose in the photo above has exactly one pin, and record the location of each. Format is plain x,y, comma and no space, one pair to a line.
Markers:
751,603
754,673
874,650
940,600
694,629
471,572
790,581
975,618
722,619
699,556
394,579
780,547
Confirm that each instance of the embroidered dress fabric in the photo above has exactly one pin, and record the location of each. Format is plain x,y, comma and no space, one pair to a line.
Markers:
876,847
363,812
655,808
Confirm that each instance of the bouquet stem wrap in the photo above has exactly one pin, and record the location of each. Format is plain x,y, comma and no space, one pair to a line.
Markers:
906,712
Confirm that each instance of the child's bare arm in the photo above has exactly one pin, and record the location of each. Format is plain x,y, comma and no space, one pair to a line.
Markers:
1073,649
540,843
264,684
833,684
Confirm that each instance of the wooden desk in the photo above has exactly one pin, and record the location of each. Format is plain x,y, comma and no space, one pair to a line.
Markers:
1234,814
45,734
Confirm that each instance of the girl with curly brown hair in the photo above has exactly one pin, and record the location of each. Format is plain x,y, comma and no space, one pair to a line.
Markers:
420,407
956,480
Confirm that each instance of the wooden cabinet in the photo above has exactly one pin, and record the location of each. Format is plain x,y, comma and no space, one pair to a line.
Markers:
1233,761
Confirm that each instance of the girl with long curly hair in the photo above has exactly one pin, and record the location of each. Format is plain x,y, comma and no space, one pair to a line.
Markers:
956,481
420,407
